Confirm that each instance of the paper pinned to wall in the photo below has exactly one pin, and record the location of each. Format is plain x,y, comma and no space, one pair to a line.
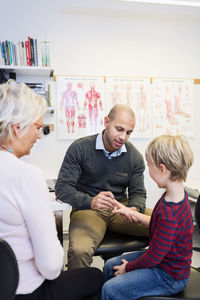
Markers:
137,93
80,106
173,107
161,106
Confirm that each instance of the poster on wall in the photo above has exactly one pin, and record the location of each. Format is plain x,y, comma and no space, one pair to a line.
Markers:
173,104
80,106
136,92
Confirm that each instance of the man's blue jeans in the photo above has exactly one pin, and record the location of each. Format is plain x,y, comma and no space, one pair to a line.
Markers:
135,284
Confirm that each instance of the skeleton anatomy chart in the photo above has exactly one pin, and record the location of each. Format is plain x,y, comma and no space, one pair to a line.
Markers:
173,107
164,106
80,106
137,93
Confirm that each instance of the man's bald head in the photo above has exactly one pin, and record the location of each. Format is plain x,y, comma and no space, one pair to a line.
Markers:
119,125
121,108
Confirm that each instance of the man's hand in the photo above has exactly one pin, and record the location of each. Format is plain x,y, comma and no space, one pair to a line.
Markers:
120,269
103,200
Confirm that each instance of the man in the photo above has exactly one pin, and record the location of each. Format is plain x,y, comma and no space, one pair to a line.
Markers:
96,170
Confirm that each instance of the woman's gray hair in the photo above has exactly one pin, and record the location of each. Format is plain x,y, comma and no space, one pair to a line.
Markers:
18,105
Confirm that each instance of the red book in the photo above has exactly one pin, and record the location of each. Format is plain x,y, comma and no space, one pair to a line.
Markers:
27,53
29,49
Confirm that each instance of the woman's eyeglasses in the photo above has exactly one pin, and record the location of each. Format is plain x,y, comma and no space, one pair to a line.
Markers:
39,126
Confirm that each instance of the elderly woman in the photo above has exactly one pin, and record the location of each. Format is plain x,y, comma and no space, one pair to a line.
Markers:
26,218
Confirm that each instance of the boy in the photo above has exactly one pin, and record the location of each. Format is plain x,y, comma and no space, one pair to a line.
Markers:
164,268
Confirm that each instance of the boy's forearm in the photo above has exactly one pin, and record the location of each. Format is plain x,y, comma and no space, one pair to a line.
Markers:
120,208
141,217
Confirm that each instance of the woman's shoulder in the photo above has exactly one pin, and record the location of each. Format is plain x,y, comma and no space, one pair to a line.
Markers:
19,167
20,175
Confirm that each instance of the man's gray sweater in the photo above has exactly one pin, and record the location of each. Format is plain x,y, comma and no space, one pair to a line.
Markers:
85,172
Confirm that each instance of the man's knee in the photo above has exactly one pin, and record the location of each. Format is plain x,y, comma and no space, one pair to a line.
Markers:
80,249
148,211
79,257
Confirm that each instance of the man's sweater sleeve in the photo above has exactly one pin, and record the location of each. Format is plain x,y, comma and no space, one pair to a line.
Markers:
69,174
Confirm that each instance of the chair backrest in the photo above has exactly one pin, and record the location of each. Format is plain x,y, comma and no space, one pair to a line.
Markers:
9,274
114,244
197,214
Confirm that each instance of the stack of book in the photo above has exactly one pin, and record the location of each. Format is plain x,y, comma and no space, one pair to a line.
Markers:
43,89
32,52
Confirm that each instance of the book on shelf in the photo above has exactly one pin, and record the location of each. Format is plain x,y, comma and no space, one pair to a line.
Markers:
32,52
10,53
24,58
47,53
2,54
41,88
39,52
7,52
20,54
35,52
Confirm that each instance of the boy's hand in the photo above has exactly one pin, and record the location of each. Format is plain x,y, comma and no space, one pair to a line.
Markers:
125,212
120,269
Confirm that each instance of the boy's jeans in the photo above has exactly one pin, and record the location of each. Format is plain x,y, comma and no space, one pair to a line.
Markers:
138,283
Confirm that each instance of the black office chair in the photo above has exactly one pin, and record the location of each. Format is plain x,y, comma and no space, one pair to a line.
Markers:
197,219
9,274
192,291
114,244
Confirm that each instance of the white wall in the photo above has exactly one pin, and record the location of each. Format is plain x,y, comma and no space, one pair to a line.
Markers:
109,38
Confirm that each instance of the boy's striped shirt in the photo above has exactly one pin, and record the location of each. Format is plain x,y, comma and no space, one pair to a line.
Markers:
170,232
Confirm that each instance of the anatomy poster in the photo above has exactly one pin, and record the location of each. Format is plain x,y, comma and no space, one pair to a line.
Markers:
80,106
136,92
173,107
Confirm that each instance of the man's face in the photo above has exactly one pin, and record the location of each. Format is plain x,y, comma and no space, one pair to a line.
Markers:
118,130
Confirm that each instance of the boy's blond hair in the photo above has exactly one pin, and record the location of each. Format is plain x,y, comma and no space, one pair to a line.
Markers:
172,151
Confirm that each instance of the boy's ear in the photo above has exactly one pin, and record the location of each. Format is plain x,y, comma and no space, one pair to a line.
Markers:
16,129
163,167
